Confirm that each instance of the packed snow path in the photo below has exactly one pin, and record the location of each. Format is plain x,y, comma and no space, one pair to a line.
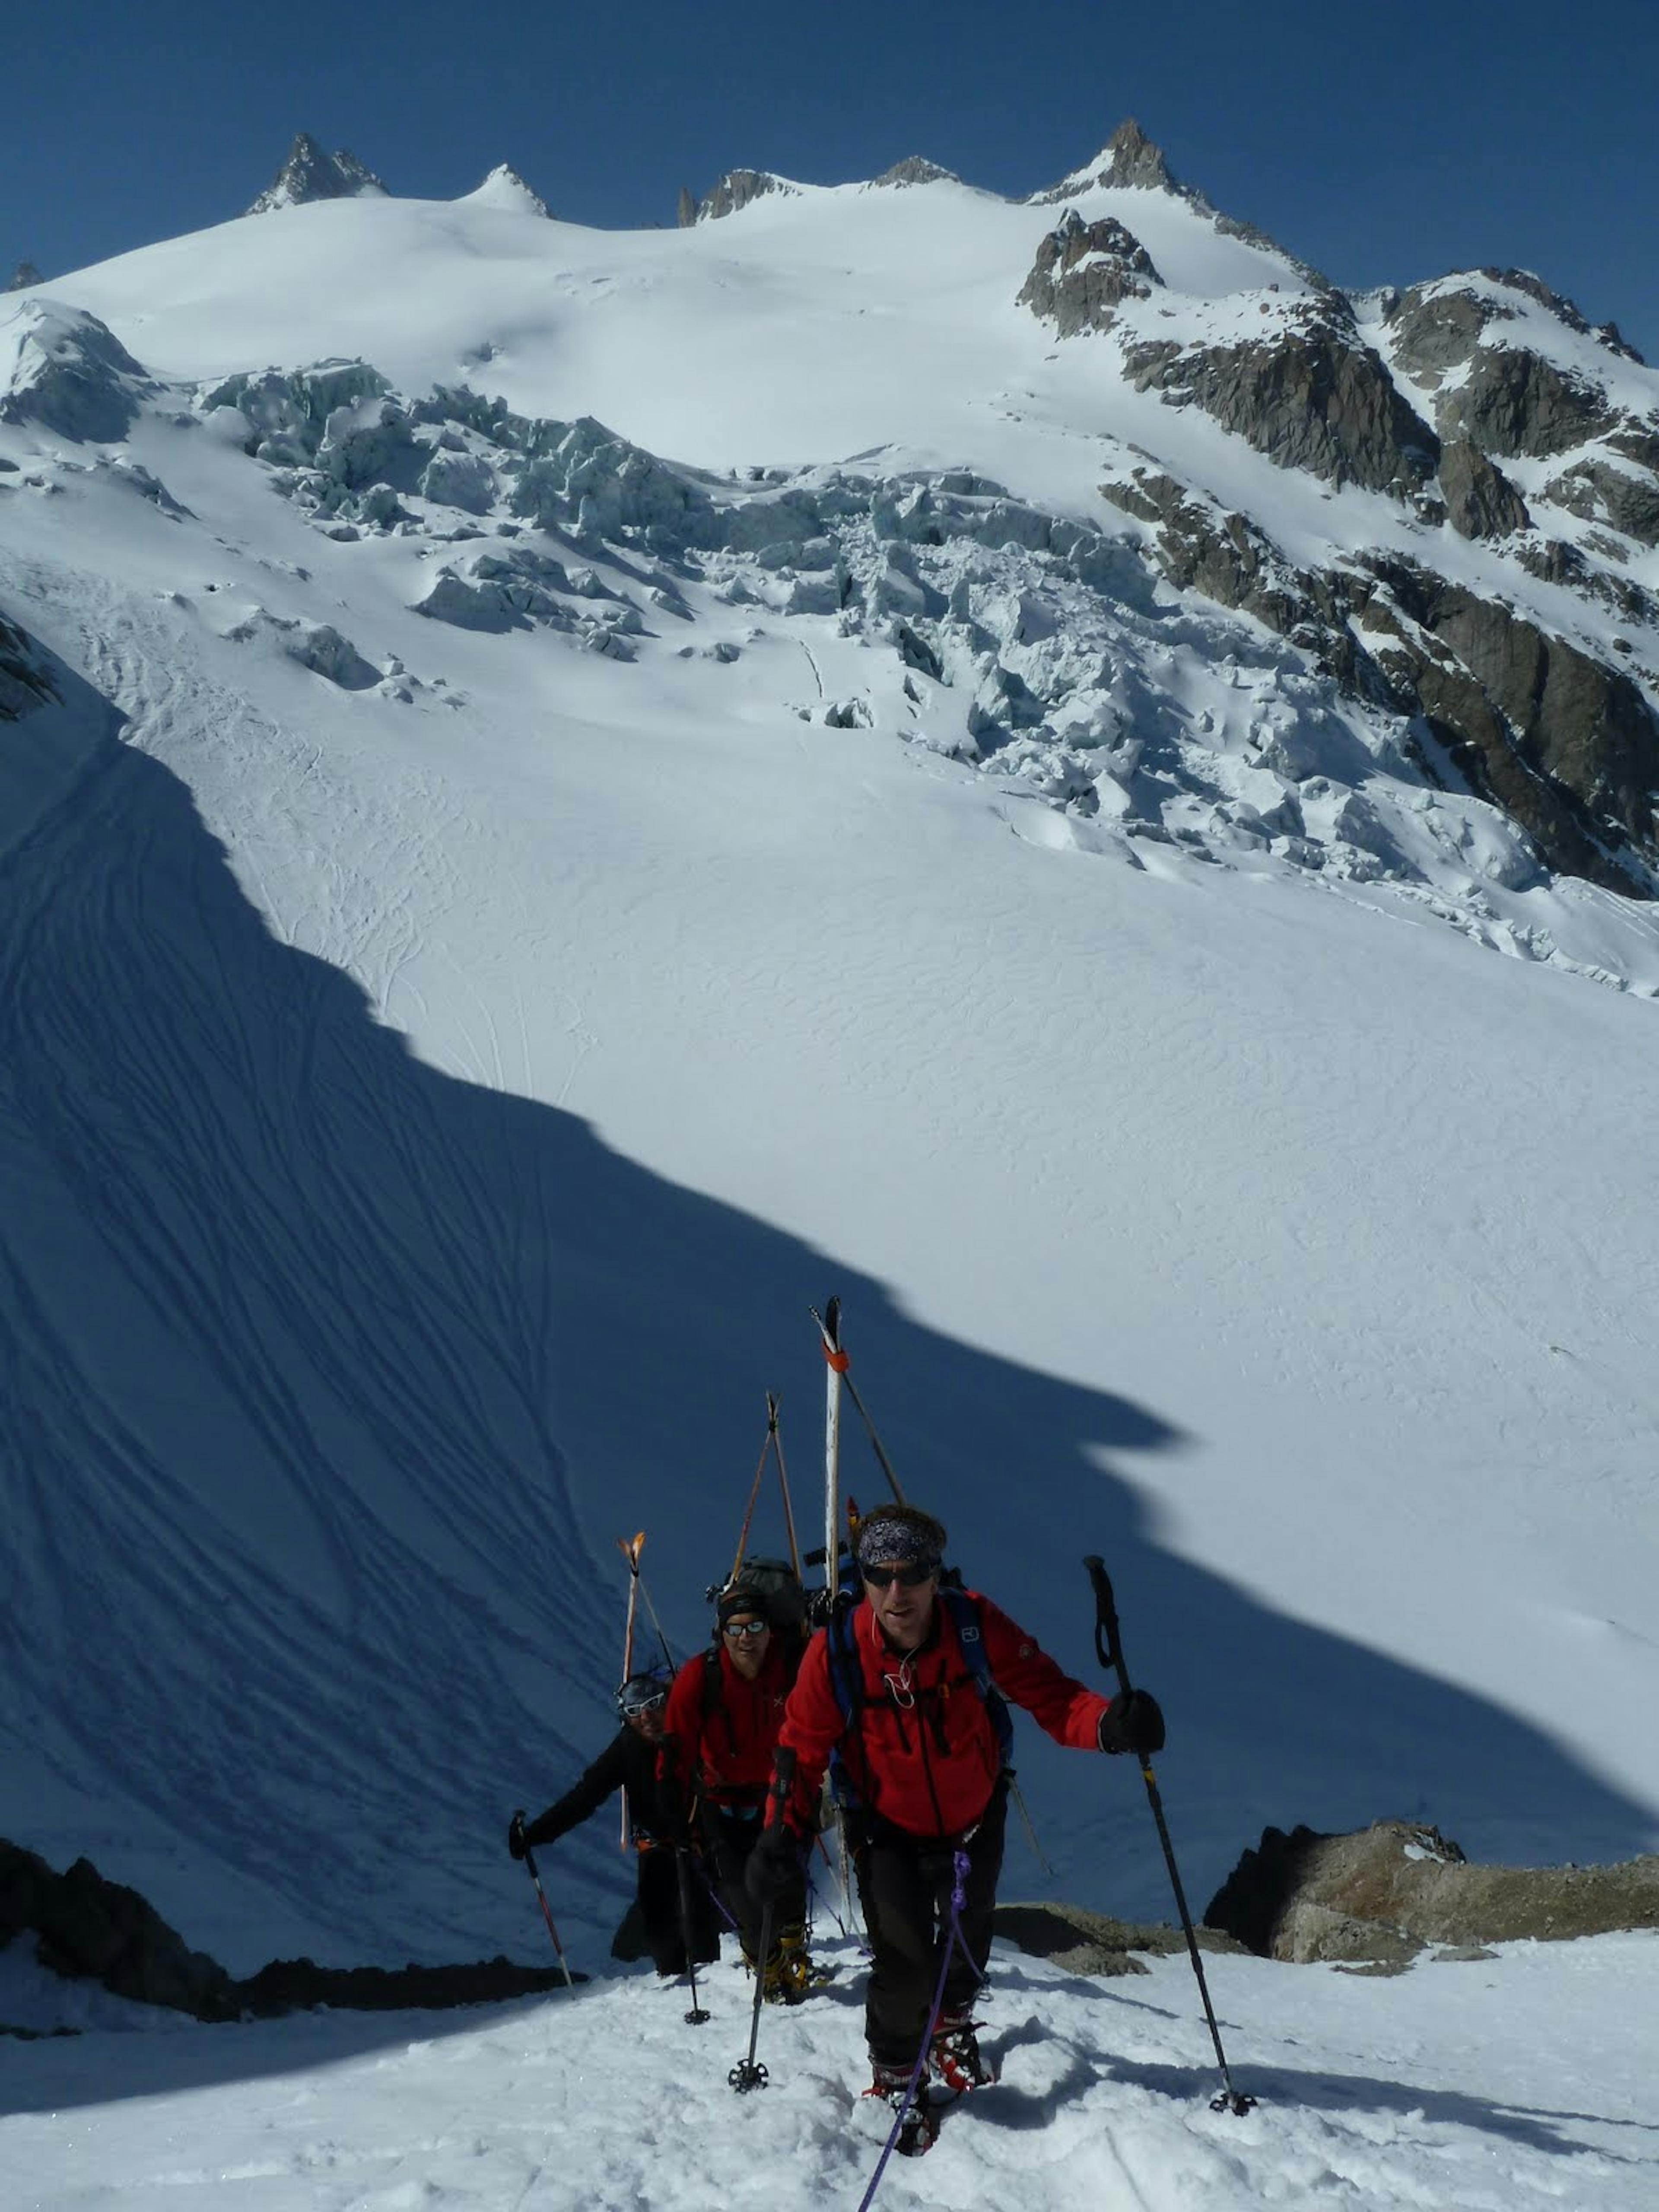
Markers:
1502,2086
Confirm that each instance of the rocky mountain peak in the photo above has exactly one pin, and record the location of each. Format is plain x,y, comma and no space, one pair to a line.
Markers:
309,173
916,169
1135,161
735,190
1129,160
506,189
23,276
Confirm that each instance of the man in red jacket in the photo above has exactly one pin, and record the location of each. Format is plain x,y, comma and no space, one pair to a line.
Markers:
893,1696
720,1729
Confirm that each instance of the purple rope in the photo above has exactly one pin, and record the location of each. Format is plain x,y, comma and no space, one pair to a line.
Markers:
953,1939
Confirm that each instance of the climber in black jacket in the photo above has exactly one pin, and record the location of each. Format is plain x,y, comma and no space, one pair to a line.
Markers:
628,1763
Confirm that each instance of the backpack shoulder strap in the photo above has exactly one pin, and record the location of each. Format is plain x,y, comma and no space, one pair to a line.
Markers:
970,1635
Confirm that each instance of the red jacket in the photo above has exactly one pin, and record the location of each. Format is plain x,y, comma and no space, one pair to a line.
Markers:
719,1735
922,1753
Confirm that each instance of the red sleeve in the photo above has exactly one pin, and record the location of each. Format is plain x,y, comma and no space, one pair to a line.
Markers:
682,1728
812,1725
1024,1673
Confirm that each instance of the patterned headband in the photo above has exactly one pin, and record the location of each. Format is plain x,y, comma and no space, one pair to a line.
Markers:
885,1539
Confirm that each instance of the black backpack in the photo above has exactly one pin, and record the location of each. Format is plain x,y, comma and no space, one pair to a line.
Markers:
776,1588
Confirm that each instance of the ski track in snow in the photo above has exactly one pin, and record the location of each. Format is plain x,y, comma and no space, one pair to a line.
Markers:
116,985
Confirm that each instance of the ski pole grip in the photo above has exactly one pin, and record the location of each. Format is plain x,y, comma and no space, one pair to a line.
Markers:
783,1777
1109,1648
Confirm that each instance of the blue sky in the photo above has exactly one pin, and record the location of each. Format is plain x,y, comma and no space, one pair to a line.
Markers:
1384,144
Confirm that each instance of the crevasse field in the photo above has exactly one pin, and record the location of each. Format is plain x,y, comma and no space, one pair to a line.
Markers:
441,1067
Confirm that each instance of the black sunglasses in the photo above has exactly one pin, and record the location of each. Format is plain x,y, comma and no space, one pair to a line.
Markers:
910,1577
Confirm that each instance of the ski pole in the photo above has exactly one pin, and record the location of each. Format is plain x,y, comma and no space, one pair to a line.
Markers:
1109,1648
748,2075
530,1866
1030,1825
754,1488
697,2016
783,1485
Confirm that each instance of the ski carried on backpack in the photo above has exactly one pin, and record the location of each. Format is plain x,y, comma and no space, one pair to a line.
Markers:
630,1548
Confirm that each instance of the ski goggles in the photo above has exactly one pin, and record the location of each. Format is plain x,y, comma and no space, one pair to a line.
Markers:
734,1629
910,1577
634,1698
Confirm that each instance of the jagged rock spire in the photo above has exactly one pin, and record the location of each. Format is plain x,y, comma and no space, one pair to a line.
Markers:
309,173
1135,161
1128,159
23,276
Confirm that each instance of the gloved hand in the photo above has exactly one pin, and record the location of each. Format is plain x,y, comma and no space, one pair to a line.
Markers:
1132,1721
517,1841
774,1866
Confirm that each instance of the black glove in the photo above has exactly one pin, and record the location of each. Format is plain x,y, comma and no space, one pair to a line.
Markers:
774,1866
517,1841
1132,1722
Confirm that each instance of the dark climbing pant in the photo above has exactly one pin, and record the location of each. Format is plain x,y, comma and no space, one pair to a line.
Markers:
904,1885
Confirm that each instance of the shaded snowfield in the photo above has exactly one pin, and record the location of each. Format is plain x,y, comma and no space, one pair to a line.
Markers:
1495,2086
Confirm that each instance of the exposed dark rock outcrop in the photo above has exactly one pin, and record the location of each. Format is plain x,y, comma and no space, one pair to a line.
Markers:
1085,1942
1385,1892
1084,271
1565,746
1505,397
1481,500
24,685
88,1928
736,189
74,376
1626,498
309,173
915,169
1312,395
22,277
685,210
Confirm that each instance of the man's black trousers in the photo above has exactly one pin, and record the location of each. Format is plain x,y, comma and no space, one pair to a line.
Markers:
904,1883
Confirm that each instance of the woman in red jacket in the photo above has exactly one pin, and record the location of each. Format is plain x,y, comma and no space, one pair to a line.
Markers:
893,1694
719,1732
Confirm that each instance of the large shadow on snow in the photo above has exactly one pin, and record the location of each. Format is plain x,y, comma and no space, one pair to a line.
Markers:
328,1384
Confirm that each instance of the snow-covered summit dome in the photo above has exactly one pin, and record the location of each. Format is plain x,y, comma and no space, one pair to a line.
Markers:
505,188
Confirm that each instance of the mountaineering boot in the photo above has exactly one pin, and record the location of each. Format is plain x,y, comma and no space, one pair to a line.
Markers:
955,2057
920,2130
789,1970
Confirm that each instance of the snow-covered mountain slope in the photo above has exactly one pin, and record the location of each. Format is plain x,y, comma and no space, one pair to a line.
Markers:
578,878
